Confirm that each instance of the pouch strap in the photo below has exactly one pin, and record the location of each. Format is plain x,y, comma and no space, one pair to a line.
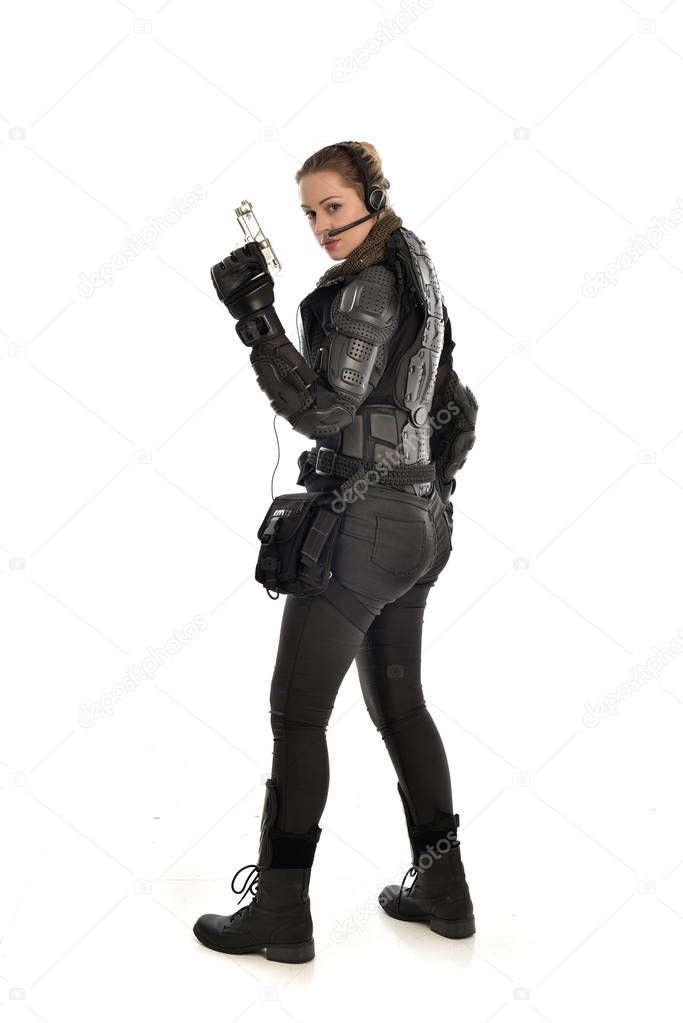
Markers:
349,605
318,534
269,531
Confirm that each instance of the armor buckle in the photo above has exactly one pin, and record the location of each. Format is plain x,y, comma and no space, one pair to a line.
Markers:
325,472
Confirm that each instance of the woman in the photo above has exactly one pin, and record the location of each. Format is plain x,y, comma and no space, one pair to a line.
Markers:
377,345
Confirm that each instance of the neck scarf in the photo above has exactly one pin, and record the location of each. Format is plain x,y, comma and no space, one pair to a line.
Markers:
369,252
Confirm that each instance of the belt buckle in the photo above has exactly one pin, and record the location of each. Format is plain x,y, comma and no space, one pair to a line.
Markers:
325,472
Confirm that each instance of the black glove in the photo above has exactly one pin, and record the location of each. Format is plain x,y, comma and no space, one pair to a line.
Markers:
243,281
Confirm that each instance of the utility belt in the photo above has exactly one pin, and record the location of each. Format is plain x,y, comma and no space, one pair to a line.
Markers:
299,530
328,462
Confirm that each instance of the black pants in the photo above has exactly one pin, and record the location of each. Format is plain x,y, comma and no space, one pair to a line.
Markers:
390,550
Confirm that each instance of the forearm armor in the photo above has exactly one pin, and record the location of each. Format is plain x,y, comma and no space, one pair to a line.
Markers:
296,392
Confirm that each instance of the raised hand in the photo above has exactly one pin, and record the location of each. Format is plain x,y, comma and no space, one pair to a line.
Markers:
243,282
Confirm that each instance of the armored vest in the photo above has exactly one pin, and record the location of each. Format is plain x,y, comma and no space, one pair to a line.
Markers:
395,415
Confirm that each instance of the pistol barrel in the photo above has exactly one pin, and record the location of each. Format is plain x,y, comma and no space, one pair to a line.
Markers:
253,233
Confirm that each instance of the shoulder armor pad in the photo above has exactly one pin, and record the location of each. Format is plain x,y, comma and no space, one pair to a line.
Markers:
367,307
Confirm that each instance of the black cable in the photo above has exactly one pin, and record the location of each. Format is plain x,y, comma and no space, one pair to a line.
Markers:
272,495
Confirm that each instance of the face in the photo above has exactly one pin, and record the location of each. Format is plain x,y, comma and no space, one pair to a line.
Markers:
327,202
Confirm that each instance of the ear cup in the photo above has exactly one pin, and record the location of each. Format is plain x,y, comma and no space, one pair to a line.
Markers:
376,199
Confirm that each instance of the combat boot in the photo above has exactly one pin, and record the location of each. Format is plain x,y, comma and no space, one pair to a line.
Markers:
278,919
439,894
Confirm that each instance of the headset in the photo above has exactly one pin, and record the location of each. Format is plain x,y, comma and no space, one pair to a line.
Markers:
375,196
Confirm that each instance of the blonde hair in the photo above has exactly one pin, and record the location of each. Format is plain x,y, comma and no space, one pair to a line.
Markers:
336,158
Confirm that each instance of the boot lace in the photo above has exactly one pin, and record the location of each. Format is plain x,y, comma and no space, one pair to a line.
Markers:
250,886
411,870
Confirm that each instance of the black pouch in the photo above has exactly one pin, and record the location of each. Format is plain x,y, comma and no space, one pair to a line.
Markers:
453,435
297,539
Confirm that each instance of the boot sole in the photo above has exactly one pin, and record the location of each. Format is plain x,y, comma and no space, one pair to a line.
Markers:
297,952
447,928
453,928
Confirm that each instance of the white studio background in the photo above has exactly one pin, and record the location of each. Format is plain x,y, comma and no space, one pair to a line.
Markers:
536,147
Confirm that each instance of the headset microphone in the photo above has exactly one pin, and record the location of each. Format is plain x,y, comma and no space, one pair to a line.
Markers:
338,230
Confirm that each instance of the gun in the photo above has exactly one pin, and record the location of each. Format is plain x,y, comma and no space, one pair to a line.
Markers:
251,229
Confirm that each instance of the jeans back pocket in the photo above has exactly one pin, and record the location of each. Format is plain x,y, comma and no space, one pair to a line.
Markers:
399,545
